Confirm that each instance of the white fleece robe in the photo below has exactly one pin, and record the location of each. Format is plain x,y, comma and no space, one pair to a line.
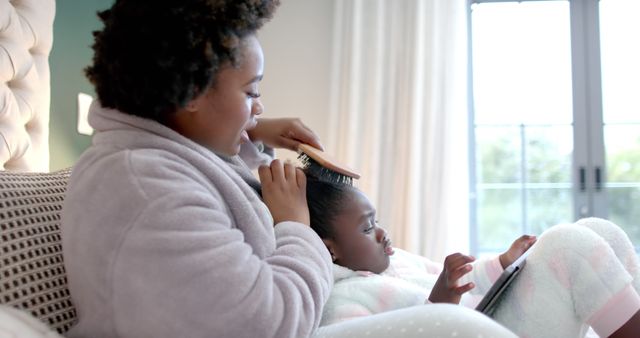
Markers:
163,238
407,282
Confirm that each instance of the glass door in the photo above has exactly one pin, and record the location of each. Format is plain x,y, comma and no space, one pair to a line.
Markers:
555,132
620,55
522,125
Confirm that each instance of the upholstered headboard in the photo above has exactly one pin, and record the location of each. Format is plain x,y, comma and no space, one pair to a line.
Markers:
26,36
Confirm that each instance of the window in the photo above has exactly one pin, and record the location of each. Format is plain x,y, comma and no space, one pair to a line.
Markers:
538,134
619,28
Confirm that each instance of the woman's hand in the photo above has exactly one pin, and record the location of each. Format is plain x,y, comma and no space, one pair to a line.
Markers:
284,191
516,250
285,133
446,289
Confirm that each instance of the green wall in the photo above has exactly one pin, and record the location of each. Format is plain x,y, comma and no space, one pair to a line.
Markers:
74,23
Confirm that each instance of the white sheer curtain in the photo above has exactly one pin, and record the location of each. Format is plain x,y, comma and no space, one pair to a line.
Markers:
399,115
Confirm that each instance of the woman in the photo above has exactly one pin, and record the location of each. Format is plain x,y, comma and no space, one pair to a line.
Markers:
164,234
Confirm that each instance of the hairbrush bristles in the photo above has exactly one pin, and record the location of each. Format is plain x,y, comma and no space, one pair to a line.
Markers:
313,168
326,167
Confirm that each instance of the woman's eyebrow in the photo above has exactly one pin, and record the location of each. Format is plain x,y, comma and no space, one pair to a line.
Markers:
255,79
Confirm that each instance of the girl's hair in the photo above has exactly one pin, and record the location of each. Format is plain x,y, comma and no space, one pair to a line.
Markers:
325,200
154,56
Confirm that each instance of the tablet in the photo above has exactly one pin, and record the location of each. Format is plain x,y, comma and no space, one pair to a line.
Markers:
488,302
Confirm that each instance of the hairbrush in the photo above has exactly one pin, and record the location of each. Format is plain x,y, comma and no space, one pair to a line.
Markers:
322,166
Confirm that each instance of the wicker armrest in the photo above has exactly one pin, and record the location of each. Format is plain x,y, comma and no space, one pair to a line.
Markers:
32,275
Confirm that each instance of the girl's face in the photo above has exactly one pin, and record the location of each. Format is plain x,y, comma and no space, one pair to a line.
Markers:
220,117
358,242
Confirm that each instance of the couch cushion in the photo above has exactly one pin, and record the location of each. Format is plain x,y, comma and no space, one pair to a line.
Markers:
32,275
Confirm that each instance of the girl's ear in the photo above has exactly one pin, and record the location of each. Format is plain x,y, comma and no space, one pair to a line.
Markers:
192,106
333,249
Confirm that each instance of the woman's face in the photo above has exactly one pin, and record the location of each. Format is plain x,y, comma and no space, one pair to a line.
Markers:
358,242
220,117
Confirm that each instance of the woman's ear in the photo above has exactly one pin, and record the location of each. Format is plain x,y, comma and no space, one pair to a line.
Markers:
332,247
194,104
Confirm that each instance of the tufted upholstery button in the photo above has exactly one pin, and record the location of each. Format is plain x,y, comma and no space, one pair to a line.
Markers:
26,36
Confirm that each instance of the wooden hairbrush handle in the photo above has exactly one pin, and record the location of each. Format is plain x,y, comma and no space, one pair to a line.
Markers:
327,161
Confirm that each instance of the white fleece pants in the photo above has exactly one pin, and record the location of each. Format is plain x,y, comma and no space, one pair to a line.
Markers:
577,275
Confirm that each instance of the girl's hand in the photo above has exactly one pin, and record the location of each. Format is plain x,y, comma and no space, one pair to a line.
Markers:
446,289
285,133
516,250
284,191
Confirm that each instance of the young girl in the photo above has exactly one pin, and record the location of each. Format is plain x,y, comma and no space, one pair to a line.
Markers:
577,275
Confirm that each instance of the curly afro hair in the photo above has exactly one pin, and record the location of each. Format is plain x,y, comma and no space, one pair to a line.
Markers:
154,56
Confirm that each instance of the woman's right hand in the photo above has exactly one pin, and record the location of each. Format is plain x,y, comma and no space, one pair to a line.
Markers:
284,191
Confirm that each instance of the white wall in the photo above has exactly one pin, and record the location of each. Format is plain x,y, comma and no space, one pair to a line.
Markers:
297,45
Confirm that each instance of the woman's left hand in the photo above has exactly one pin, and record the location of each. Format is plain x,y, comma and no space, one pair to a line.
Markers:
285,133
284,192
